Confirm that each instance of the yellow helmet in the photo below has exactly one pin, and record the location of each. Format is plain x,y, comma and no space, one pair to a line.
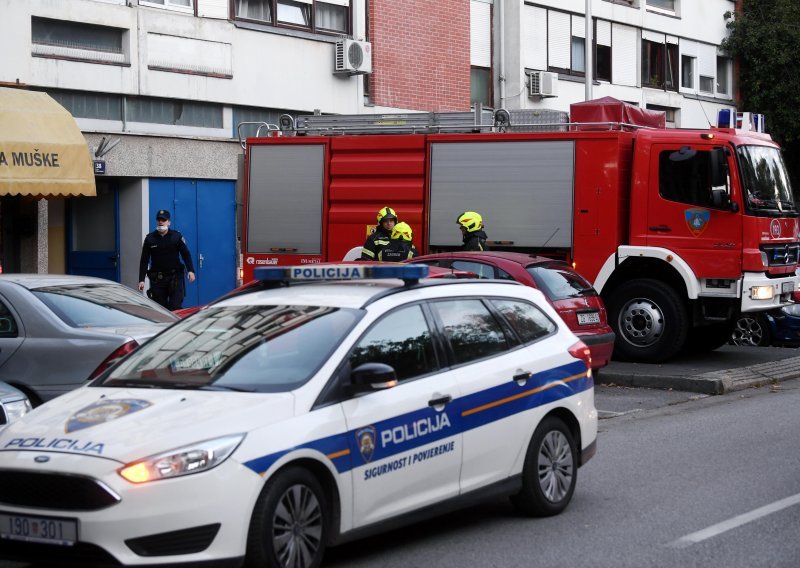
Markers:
402,231
386,213
471,221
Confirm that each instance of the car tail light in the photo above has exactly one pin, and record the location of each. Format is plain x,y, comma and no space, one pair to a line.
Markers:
580,351
118,353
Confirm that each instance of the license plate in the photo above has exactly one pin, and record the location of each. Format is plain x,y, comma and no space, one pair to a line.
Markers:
787,287
39,529
588,318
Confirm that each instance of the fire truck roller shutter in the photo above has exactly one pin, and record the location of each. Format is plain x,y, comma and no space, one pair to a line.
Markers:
284,199
523,190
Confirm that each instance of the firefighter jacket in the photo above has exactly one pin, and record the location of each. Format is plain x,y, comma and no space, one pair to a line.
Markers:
475,241
375,243
397,250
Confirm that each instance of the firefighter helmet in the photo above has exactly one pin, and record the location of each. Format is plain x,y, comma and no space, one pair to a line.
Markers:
471,221
386,213
402,231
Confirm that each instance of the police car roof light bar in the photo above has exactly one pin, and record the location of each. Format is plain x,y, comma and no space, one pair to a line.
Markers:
409,273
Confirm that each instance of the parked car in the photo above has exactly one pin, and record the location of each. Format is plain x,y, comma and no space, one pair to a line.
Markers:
280,421
13,404
779,327
578,304
58,331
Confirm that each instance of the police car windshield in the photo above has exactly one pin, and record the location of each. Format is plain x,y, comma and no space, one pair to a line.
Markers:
238,348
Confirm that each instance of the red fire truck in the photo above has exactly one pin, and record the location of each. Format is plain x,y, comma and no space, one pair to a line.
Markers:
679,230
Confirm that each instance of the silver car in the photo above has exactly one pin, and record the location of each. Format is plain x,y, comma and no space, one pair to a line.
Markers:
58,331
13,404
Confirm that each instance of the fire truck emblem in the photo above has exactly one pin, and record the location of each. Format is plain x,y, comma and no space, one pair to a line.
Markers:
697,220
365,438
775,229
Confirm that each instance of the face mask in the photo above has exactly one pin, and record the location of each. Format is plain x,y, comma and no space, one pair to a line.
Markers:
162,228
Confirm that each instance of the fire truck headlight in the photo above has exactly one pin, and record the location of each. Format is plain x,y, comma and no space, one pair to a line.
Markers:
762,293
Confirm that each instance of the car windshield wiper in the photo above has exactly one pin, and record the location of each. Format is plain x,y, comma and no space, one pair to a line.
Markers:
225,388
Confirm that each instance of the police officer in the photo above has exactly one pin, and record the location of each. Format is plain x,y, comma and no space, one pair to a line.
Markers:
399,247
473,236
379,240
161,249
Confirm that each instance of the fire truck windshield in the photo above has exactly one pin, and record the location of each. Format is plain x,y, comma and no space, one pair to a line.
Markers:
767,190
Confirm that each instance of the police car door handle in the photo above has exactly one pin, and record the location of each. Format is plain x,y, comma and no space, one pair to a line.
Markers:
440,400
522,376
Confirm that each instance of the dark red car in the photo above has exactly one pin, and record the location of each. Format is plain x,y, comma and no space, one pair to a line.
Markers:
578,304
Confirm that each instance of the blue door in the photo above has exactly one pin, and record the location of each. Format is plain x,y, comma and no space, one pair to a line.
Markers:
92,233
204,211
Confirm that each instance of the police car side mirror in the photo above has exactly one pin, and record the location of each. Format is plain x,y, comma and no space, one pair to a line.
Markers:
373,376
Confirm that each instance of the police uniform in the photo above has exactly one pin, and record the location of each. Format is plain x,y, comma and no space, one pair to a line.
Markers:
166,272
397,250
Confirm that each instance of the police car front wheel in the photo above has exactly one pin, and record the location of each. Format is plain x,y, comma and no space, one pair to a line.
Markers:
550,470
289,527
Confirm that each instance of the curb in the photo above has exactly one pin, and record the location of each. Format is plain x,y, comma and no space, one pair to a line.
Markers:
712,382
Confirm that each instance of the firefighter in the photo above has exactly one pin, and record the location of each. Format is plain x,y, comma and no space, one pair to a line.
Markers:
471,224
380,238
399,247
162,249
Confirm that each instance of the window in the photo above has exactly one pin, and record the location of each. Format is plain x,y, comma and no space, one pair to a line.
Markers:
170,3
480,269
527,320
723,76
706,84
669,113
560,283
471,329
687,71
565,43
90,105
666,5
181,113
578,55
401,339
685,176
480,86
8,325
323,16
602,64
659,65
77,41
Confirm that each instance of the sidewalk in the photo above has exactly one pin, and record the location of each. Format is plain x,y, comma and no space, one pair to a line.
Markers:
727,369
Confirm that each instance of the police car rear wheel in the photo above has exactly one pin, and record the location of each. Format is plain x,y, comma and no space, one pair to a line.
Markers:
289,527
550,470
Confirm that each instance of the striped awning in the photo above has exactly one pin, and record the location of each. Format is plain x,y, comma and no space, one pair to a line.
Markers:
42,150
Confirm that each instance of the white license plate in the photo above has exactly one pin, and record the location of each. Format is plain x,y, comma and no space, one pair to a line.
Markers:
39,529
588,318
787,287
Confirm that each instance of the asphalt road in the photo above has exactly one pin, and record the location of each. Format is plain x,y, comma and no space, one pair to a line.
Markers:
679,479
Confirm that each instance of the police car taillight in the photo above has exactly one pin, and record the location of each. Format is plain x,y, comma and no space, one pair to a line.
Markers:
353,271
118,353
580,351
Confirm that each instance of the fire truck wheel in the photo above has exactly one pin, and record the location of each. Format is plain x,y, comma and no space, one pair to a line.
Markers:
650,320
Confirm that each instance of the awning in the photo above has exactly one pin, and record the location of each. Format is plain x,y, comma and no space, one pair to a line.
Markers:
42,150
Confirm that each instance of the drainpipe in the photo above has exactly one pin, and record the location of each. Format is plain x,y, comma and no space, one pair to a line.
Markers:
588,47
502,39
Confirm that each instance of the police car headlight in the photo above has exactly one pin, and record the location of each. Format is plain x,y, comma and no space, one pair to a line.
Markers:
195,458
17,409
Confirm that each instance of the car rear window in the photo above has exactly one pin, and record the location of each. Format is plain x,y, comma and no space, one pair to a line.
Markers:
101,305
239,348
559,282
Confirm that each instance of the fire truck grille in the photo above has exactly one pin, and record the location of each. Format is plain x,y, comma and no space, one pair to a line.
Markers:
54,491
781,255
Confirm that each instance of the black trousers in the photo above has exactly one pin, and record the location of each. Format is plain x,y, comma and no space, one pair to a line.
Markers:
168,293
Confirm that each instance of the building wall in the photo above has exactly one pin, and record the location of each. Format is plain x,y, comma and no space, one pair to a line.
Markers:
420,54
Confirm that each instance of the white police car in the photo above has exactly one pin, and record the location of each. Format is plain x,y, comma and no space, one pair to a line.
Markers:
278,422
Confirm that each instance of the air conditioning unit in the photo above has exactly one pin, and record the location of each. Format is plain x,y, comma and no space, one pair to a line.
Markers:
543,84
353,57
